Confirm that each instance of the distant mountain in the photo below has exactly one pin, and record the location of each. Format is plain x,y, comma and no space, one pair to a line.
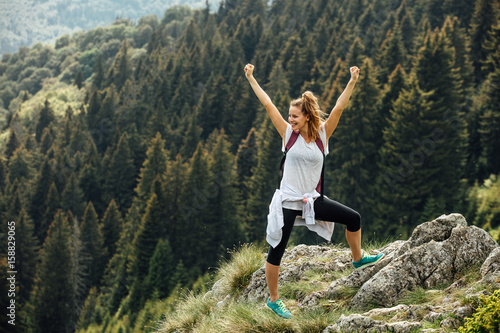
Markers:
26,22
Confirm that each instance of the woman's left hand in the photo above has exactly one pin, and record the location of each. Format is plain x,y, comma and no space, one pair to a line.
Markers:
354,73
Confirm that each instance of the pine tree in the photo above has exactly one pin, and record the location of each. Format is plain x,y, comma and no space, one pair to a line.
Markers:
92,112
244,107
45,118
111,228
20,166
173,186
41,188
435,72
352,164
26,255
490,119
12,144
52,296
159,122
103,133
79,79
93,246
246,159
213,102
121,176
391,54
459,41
122,69
412,159
155,165
263,181
46,141
79,275
90,181
192,136
180,276
183,96
161,269
147,237
194,231
51,205
484,17
432,209
98,76
72,197
3,176
222,215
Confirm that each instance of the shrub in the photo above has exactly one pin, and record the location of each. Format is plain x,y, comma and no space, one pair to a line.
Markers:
487,316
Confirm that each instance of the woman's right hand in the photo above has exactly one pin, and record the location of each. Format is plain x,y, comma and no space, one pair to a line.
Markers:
249,70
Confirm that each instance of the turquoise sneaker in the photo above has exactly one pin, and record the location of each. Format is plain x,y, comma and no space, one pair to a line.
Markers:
367,260
279,308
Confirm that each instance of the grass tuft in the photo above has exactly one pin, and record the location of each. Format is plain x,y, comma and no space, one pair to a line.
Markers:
236,273
188,313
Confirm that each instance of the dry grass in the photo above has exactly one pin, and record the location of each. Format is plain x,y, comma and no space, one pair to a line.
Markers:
235,274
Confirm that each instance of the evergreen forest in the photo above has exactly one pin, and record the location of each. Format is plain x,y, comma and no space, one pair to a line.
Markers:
133,156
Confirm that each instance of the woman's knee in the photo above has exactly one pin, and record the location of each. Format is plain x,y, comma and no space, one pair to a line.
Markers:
355,223
274,256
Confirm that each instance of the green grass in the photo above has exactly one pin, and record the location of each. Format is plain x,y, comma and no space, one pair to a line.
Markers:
236,273
245,317
416,296
189,312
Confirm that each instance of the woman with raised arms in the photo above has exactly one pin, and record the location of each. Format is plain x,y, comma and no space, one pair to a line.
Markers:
297,201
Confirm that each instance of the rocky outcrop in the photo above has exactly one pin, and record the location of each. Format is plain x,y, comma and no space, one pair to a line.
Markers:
428,264
296,262
438,253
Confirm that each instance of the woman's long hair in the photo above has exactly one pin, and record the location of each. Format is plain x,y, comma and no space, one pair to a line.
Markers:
308,103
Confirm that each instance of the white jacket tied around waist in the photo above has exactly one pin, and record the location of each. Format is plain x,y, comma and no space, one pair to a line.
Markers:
275,220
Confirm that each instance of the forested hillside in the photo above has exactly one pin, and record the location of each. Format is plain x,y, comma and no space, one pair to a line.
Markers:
26,22
134,155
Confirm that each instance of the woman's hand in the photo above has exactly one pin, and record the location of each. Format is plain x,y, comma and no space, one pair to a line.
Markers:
354,73
249,70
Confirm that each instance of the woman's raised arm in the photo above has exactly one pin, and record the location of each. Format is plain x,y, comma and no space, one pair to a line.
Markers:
333,119
278,121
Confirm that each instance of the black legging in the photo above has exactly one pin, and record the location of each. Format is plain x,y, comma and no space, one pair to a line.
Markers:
326,210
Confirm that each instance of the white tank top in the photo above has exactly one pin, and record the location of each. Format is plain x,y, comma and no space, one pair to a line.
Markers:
303,165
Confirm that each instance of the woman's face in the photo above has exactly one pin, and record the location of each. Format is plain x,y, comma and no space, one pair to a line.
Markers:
296,118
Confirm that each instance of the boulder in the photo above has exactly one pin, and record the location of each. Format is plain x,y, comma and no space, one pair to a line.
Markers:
490,270
428,260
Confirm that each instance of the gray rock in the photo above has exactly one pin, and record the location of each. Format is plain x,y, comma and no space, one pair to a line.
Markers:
257,288
463,311
218,290
450,322
491,265
360,323
383,312
427,264
356,278
228,299
433,317
437,230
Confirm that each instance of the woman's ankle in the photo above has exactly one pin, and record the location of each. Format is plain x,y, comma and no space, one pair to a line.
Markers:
274,298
